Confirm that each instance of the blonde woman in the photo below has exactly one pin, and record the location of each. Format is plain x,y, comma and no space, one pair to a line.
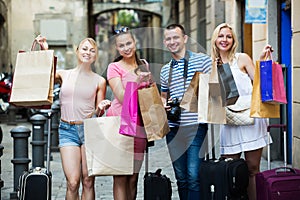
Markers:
237,139
81,96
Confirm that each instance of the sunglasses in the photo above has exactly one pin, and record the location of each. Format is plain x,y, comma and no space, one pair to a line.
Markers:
122,30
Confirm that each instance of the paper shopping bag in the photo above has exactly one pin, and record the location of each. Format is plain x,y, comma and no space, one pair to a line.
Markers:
258,108
229,91
210,109
107,151
131,120
216,111
153,113
190,98
272,82
33,79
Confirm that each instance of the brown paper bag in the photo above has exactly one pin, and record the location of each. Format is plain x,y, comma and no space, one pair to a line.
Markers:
209,99
153,113
190,98
107,151
258,108
33,79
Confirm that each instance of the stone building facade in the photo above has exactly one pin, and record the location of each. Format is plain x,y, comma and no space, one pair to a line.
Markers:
65,23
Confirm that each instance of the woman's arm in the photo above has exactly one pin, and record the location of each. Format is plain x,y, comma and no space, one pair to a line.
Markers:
246,64
101,103
58,77
117,88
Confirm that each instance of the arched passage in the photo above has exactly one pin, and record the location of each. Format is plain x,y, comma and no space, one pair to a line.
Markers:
149,40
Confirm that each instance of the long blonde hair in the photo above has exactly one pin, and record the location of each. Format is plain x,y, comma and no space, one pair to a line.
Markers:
215,52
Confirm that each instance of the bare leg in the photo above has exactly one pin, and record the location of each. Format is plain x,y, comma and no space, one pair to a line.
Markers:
133,180
234,156
132,186
120,187
253,161
71,163
88,189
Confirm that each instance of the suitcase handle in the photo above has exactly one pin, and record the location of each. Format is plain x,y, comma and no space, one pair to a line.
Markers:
283,127
285,169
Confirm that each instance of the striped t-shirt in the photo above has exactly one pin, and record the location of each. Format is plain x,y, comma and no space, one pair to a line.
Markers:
197,62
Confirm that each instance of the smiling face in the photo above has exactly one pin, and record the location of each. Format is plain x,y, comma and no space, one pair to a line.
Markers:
87,52
175,40
125,45
224,41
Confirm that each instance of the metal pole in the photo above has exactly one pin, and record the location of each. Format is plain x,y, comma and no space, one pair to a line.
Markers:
20,160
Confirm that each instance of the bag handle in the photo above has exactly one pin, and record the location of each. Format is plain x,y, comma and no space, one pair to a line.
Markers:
41,41
268,55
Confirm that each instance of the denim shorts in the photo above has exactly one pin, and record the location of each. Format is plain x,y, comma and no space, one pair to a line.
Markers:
70,135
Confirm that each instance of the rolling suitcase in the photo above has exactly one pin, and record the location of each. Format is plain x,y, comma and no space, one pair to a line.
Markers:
223,178
156,185
36,184
282,183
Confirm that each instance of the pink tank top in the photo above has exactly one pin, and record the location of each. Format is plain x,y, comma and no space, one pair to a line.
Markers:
78,94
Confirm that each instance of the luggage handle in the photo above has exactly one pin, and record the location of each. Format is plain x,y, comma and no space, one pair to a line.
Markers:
49,115
285,169
149,144
213,151
283,127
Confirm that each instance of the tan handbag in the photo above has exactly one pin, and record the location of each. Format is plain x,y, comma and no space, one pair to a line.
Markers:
107,151
239,113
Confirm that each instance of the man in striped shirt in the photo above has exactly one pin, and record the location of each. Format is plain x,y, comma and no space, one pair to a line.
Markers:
186,135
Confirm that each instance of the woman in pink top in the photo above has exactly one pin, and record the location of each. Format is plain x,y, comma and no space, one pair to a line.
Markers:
82,96
127,67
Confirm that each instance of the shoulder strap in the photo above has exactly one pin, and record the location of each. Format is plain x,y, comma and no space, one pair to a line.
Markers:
185,70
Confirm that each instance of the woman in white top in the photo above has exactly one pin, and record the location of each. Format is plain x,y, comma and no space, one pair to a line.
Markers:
234,139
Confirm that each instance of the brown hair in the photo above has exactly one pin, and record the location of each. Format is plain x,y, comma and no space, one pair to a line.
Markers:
173,26
141,65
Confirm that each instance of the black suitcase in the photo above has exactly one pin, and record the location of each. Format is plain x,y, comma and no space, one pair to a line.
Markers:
36,184
223,178
156,185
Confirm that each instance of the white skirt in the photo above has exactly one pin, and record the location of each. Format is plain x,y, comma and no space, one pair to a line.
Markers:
237,139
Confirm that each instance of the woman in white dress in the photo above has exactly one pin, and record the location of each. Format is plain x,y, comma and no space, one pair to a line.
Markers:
234,139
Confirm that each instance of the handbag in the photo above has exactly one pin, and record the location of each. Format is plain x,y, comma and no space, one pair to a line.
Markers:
33,78
258,108
229,91
272,84
131,119
239,113
153,113
107,151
